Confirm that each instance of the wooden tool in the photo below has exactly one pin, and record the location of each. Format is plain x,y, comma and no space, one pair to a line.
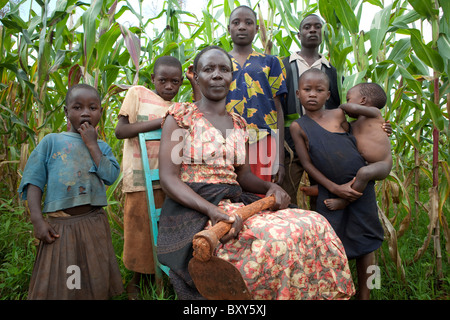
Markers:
215,278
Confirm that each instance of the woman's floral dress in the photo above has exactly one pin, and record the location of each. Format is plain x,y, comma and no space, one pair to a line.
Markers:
288,254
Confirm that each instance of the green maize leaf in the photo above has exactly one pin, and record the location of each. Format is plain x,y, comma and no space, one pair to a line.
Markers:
14,119
415,85
444,188
3,3
283,16
59,59
14,21
444,46
425,53
105,43
435,114
208,24
377,3
400,51
418,64
89,26
380,25
413,141
424,7
327,12
352,80
445,5
346,16
404,20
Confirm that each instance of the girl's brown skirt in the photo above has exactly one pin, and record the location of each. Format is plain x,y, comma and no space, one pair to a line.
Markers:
80,264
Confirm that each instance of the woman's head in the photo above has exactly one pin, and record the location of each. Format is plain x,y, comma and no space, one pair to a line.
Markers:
205,50
213,71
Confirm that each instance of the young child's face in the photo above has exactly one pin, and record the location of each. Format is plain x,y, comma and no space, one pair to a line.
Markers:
243,26
354,96
313,91
167,81
83,106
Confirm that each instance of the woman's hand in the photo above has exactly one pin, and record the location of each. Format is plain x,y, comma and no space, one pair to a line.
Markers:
216,215
282,199
236,227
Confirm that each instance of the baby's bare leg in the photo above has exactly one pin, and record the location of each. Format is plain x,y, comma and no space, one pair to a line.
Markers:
374,171
336,203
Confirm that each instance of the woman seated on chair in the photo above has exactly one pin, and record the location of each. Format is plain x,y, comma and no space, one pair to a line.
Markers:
282,254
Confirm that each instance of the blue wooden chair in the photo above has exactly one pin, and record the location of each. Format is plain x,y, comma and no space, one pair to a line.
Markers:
151,175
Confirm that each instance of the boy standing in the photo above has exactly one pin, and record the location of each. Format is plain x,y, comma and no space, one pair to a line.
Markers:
310,36
142,111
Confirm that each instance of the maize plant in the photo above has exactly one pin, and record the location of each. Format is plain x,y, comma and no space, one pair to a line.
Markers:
56,44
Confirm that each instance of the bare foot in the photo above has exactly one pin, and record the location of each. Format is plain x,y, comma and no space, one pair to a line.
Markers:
133,290
336,203
311,191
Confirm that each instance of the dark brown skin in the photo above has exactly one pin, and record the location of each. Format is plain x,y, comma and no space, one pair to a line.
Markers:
167,81
310,36
213,77
313,93
83,112
243,28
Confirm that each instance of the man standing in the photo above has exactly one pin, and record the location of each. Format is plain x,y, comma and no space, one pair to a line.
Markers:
310,36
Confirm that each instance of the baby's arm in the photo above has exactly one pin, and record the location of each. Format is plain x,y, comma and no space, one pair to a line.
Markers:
42,229
343,191
354,110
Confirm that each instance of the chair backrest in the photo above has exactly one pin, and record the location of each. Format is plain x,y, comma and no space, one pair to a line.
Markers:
151,175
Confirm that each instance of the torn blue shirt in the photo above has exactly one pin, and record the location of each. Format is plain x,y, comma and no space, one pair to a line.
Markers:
62,167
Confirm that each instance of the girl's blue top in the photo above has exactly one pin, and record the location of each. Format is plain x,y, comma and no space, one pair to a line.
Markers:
62,167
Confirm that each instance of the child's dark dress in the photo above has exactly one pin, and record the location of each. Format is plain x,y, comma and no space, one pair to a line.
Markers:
336,156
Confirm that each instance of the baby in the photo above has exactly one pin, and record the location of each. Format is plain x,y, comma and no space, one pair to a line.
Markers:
364,102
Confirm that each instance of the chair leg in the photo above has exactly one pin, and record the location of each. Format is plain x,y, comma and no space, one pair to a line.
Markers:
159,281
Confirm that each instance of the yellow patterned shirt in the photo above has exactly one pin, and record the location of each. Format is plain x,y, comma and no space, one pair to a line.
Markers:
252,91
